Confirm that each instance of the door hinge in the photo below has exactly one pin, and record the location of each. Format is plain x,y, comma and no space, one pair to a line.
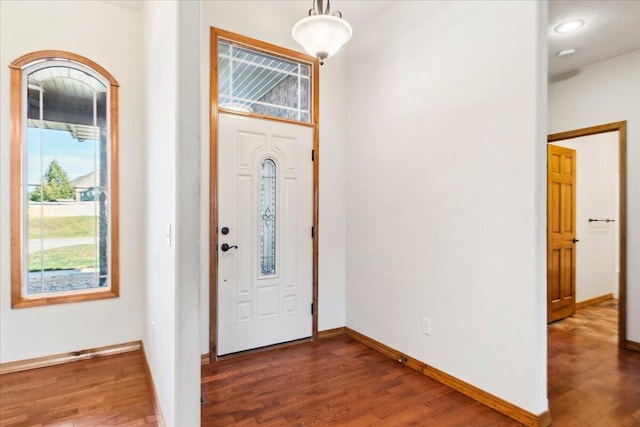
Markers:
312,232
313,155
312,308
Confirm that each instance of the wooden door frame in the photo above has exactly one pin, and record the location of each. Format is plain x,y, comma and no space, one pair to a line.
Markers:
274,50
621,128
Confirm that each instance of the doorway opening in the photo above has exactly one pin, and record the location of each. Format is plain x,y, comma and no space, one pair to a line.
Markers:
618,128
264,157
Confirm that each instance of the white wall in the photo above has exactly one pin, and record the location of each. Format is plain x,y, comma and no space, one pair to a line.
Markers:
85,28
188,176
597,177
171,332
160,29
606,92
445,190
272,22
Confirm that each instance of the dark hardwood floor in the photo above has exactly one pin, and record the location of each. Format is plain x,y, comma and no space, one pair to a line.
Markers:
96,392
341,382
337,381
591,381
599,321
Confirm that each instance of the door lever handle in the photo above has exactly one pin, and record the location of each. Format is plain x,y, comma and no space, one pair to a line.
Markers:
225,247
574,240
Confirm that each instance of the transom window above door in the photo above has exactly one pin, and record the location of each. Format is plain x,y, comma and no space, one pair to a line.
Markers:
254,82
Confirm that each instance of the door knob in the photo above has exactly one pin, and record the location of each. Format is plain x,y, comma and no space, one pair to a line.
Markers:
225,247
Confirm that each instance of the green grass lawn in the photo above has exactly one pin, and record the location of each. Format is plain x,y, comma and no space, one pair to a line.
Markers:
65,258
63,227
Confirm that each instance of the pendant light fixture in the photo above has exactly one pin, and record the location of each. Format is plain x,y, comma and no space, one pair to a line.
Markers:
322,33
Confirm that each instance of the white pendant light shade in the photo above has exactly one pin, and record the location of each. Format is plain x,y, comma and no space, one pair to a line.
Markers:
321,35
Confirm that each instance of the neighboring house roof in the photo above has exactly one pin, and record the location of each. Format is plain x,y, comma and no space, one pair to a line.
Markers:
85,181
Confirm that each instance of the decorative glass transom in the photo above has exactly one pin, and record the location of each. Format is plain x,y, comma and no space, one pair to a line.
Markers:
256,82
267,218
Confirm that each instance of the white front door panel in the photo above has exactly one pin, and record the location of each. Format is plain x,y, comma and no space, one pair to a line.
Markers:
265,200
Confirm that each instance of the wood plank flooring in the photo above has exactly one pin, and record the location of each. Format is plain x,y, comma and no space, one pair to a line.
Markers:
599,321
334,382
337,381
96,392
591,381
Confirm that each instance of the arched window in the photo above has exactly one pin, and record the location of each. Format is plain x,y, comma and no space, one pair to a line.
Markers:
64,180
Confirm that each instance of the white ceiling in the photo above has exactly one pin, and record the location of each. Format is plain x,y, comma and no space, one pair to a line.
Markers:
126,4
612,28
355,11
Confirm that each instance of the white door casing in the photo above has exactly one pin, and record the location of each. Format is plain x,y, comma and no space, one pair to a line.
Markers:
256,309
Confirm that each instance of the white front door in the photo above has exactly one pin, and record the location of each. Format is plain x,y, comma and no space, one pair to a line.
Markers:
265,215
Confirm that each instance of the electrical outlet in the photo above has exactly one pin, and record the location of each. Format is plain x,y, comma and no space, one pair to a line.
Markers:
426,326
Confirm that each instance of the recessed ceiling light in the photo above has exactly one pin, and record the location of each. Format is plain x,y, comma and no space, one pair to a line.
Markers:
569,26
566,52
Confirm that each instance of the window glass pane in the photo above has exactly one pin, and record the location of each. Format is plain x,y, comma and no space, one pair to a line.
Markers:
263,59
66,166
304,95
267,217
223,48
259,83
224,86
277,112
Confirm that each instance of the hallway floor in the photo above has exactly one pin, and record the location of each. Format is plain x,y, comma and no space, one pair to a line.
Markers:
337,381
598,321
591,381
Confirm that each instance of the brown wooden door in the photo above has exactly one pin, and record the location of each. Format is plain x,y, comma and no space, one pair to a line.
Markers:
561,232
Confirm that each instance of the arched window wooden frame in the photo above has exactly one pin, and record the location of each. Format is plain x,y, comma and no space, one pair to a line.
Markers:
18,131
